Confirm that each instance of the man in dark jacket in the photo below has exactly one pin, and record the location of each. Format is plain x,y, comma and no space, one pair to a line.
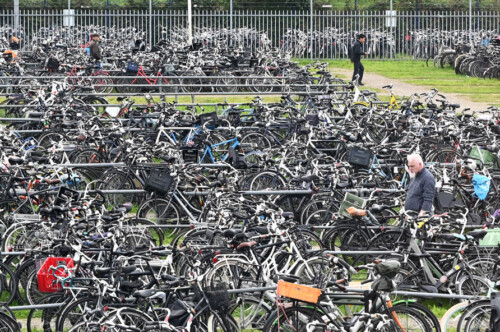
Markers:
357,52
95,50
422,187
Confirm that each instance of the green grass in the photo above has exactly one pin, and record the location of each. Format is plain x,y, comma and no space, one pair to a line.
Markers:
445,80
417,73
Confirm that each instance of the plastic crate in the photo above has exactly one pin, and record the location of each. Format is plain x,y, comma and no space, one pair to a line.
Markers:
351,200
359,157
298,292
491,239
47,282
190,155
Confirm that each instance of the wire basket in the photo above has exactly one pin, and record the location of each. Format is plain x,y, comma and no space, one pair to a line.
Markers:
218,297
159,180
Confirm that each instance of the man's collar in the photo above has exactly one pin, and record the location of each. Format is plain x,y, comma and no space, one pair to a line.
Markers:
420,172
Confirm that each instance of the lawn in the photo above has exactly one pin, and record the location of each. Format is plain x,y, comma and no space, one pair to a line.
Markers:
416,72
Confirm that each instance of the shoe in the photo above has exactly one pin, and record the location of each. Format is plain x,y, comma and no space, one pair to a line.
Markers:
361,84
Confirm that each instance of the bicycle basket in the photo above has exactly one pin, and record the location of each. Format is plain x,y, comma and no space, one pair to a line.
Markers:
47,282
190,155
208,117
359,157
159,180
52,63
218,297
312,119
351,200
66,195
298,292
132,67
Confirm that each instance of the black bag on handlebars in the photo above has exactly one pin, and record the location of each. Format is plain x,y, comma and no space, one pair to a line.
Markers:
159,180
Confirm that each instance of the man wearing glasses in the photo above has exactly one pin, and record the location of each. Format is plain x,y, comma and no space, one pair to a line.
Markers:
422,187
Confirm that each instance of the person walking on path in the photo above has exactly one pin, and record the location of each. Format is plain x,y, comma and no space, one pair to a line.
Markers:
95,50
357,52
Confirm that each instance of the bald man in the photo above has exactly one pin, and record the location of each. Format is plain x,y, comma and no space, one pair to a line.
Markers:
422,187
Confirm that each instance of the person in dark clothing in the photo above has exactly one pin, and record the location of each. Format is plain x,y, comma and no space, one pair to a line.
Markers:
95,50
422,187
357,52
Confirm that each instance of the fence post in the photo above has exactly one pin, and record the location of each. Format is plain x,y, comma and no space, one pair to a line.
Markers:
311,42
16,16
150,23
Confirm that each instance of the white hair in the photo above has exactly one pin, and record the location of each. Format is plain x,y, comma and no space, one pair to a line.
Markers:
415,157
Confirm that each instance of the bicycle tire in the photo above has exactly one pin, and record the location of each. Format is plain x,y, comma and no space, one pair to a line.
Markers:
250,312
68,319
161,211
432,320
220,322
405,314
292,319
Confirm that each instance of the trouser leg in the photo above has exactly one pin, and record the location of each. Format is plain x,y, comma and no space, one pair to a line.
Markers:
356,71
360,72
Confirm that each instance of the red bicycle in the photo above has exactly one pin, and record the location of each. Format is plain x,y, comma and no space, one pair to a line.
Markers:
140,81
99,80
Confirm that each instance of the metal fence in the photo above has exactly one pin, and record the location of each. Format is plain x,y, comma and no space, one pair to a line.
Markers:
329,33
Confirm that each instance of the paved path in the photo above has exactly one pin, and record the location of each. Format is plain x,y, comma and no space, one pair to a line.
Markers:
401,88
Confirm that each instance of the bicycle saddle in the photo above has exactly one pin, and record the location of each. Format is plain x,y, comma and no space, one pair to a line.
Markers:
286,277
378,208
246,245
478,234
145,293
308,178
356,212
15,160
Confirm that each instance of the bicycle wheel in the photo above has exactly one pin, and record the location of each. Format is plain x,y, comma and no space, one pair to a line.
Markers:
267,180
347,238
44,319
452,316
313,271
50,140
135,319
96,100
92,326
234,273
75,312
161,211
471,310
320,217
101,83
250,312
431,318
32,293
122,181
445,156
22,274
220,322
8,285
473,285
408,319
376,128
389,240
254,141
8,324
292,319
